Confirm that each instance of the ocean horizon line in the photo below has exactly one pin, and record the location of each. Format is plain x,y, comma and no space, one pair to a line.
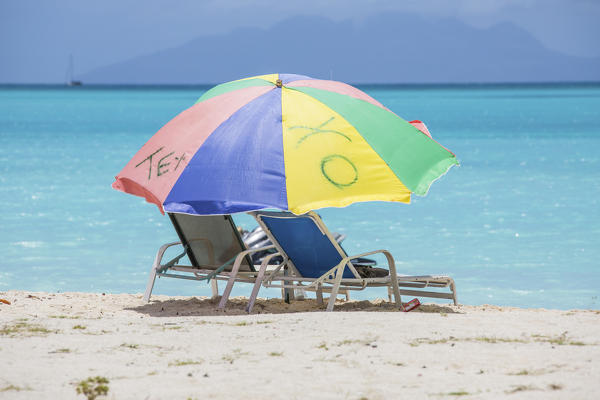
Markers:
439,85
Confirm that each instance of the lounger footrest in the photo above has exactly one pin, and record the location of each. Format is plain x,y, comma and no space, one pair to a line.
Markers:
419,293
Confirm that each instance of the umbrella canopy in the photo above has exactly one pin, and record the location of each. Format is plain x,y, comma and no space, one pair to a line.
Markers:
283,141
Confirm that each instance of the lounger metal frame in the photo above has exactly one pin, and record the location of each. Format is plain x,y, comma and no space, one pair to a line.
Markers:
334,278
198,272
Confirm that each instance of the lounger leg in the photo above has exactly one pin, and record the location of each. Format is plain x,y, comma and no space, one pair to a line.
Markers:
231,281
150,285
257,284
335,288
394,280
320,294
284,292
453,289
287,294
156,267
215,288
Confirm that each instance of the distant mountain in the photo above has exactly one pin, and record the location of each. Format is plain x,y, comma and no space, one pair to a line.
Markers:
391,48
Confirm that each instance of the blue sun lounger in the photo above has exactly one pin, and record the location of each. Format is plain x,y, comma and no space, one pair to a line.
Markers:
317,262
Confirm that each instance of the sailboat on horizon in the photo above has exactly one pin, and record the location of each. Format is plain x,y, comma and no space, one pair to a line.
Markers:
71,73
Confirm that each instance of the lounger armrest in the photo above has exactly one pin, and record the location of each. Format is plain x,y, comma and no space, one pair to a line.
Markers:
391,267
339,268
348,258
240,256
234,270
387,254
273,274
237,260
250,251
160,253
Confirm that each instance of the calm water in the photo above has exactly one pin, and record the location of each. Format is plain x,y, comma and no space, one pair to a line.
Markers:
518,223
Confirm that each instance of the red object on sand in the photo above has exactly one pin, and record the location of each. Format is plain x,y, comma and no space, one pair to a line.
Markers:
411,305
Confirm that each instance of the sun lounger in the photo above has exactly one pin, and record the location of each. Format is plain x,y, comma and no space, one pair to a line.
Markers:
258,238
316,261
214,249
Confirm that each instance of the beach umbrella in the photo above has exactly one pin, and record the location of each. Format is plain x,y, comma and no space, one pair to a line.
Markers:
283,141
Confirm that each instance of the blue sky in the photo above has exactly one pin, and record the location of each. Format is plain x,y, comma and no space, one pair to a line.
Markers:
36,37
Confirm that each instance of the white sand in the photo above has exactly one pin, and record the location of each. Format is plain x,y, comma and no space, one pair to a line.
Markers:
180,348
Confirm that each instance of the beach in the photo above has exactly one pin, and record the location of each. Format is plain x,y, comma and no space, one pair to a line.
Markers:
518,206
183,348
498,225
292,152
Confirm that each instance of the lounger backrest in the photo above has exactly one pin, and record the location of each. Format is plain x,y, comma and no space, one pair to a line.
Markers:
210,240
309,249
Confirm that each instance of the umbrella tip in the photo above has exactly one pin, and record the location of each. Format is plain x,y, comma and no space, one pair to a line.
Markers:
278,83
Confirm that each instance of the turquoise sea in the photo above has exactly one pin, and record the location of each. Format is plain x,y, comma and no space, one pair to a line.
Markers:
518,223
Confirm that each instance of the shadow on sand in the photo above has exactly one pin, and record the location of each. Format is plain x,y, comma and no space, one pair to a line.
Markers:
237,306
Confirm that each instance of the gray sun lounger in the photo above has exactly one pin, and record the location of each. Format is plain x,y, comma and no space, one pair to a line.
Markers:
317,262
214,249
